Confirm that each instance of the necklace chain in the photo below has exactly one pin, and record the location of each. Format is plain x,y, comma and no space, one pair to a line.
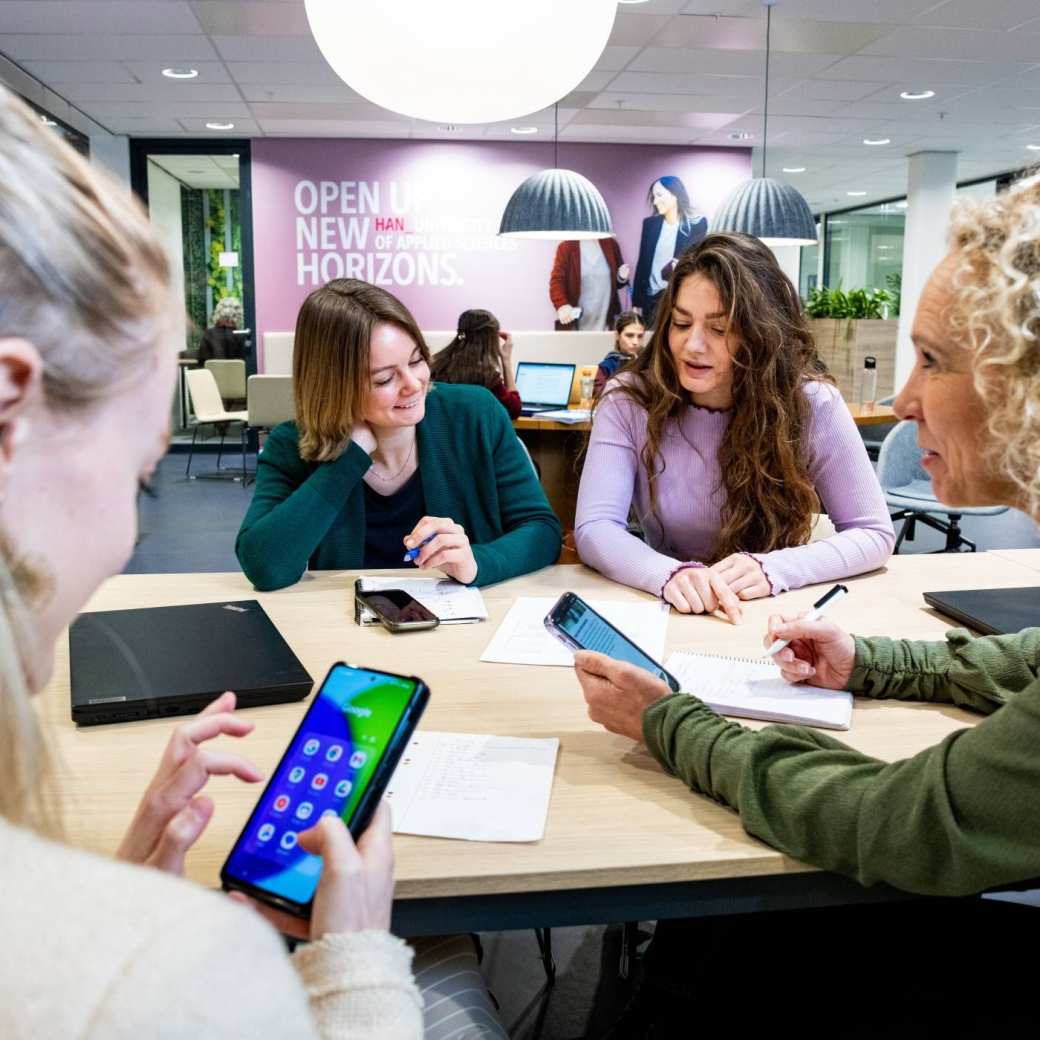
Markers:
394,476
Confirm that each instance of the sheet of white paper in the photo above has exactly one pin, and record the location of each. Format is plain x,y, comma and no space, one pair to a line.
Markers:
566,415
451,602
755,690
522,637
473,786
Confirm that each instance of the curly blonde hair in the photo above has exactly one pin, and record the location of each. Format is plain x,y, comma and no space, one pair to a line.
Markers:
996,245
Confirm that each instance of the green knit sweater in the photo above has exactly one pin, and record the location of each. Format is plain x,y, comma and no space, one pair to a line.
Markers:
958,818
474,470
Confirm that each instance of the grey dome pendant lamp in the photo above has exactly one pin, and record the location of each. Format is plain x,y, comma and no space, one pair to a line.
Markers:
556,204
768,209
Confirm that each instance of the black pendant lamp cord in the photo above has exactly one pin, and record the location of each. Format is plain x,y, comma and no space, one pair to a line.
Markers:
765,107
556,136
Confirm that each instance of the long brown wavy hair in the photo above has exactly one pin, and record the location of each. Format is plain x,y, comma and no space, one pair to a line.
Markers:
474,355
770,497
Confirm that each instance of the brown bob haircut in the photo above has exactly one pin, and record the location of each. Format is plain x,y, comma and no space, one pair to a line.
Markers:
331,360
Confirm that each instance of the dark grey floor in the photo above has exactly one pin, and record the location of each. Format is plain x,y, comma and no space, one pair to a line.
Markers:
191,526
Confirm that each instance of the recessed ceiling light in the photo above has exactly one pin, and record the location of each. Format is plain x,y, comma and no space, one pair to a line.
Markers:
1033,147
449,128
877,140
47,121
917,95
220,126
793,169
902,204
856,193
184,73
740,135
523,129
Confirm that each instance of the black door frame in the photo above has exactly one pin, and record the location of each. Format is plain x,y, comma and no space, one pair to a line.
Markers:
142,147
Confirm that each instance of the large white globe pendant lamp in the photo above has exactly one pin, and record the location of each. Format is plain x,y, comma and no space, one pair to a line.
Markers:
462,61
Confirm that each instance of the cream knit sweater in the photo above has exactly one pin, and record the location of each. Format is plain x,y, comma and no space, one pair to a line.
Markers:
95,948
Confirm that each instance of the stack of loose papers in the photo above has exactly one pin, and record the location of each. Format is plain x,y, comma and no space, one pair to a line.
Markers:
453,603
752,688
566,415
523,639
473,786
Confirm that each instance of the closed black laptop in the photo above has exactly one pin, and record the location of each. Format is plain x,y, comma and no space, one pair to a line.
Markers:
141,664
993,612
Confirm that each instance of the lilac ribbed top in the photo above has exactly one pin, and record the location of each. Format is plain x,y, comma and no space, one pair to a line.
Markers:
690,497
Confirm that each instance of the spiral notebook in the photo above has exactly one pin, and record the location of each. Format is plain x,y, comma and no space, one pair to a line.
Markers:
751,688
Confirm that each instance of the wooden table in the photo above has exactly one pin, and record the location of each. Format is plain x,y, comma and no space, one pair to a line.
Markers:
557,449
623,841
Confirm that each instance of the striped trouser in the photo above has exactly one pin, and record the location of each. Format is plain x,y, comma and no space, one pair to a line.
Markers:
456,1004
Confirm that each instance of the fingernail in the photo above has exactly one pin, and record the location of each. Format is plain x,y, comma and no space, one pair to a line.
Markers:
409,542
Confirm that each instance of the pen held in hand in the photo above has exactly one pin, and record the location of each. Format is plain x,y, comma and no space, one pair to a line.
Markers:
411,554
815,614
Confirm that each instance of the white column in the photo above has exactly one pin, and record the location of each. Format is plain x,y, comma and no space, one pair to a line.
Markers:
930,187
112,151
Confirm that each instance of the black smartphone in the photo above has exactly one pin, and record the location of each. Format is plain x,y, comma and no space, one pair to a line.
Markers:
578,626
398,611
338,762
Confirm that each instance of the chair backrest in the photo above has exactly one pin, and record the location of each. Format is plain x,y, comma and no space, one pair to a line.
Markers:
230,375
205,397
269,400
900,458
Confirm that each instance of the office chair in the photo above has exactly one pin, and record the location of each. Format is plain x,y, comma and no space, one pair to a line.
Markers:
209,410
269,401
908,490
230,374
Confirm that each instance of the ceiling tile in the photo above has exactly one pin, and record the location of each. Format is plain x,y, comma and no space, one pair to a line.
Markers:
831,89
729,63
330,128
277,73
613,59
667,102
911,41
685,83
228,18
109,17
94,47
268,48
636,30
171,92
60,72
894,11
687,120
197,127
796,35
301,93
150,72
971,14
918,72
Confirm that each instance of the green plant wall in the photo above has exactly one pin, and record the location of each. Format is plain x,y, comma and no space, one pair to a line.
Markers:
196,265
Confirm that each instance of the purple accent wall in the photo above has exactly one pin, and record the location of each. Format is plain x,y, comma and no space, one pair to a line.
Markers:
421,218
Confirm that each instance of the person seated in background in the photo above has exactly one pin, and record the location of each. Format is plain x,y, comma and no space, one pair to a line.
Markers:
727,436
219,342
480,354
960,817
380,461
628,342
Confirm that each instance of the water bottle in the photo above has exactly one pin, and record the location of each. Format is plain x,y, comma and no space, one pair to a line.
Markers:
869,385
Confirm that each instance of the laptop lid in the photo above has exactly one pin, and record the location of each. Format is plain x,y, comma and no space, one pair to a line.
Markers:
128,664
990,611
544,383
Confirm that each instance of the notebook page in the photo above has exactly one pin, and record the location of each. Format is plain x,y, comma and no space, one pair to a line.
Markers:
754,689
473,786
451,602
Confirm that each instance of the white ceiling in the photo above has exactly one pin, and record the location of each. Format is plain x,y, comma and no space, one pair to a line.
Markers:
200,171
674,72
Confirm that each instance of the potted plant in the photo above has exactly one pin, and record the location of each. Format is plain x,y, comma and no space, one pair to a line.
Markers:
850,326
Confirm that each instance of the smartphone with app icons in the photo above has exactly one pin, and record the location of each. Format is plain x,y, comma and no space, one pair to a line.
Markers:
339,762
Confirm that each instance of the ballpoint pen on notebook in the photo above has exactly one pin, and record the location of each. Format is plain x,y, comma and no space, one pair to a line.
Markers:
410,554
814,615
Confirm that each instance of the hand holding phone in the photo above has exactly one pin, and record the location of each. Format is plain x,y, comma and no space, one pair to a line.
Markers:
579,627
337,765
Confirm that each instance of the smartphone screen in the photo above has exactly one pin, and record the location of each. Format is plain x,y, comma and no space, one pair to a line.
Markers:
576,619
356,720
396,607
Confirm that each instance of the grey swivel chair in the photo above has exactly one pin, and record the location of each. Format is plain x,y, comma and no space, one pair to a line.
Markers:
908,490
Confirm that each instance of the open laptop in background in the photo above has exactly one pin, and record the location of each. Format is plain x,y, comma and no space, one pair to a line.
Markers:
142,664
543,386
993,612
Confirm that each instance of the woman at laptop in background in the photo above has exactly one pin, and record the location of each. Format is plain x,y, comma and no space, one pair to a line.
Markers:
628,342
481,354
89,332
958,818
728,437
379,462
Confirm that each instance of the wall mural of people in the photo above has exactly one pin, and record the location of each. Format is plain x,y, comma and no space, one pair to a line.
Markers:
673,228
584,284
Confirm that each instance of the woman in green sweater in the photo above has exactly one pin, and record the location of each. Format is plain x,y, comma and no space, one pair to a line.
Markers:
381,461
962,816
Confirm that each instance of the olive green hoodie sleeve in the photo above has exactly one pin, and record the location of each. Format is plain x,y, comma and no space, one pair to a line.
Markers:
957,818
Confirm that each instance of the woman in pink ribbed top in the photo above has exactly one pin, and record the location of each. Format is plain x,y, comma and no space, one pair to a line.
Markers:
726,438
